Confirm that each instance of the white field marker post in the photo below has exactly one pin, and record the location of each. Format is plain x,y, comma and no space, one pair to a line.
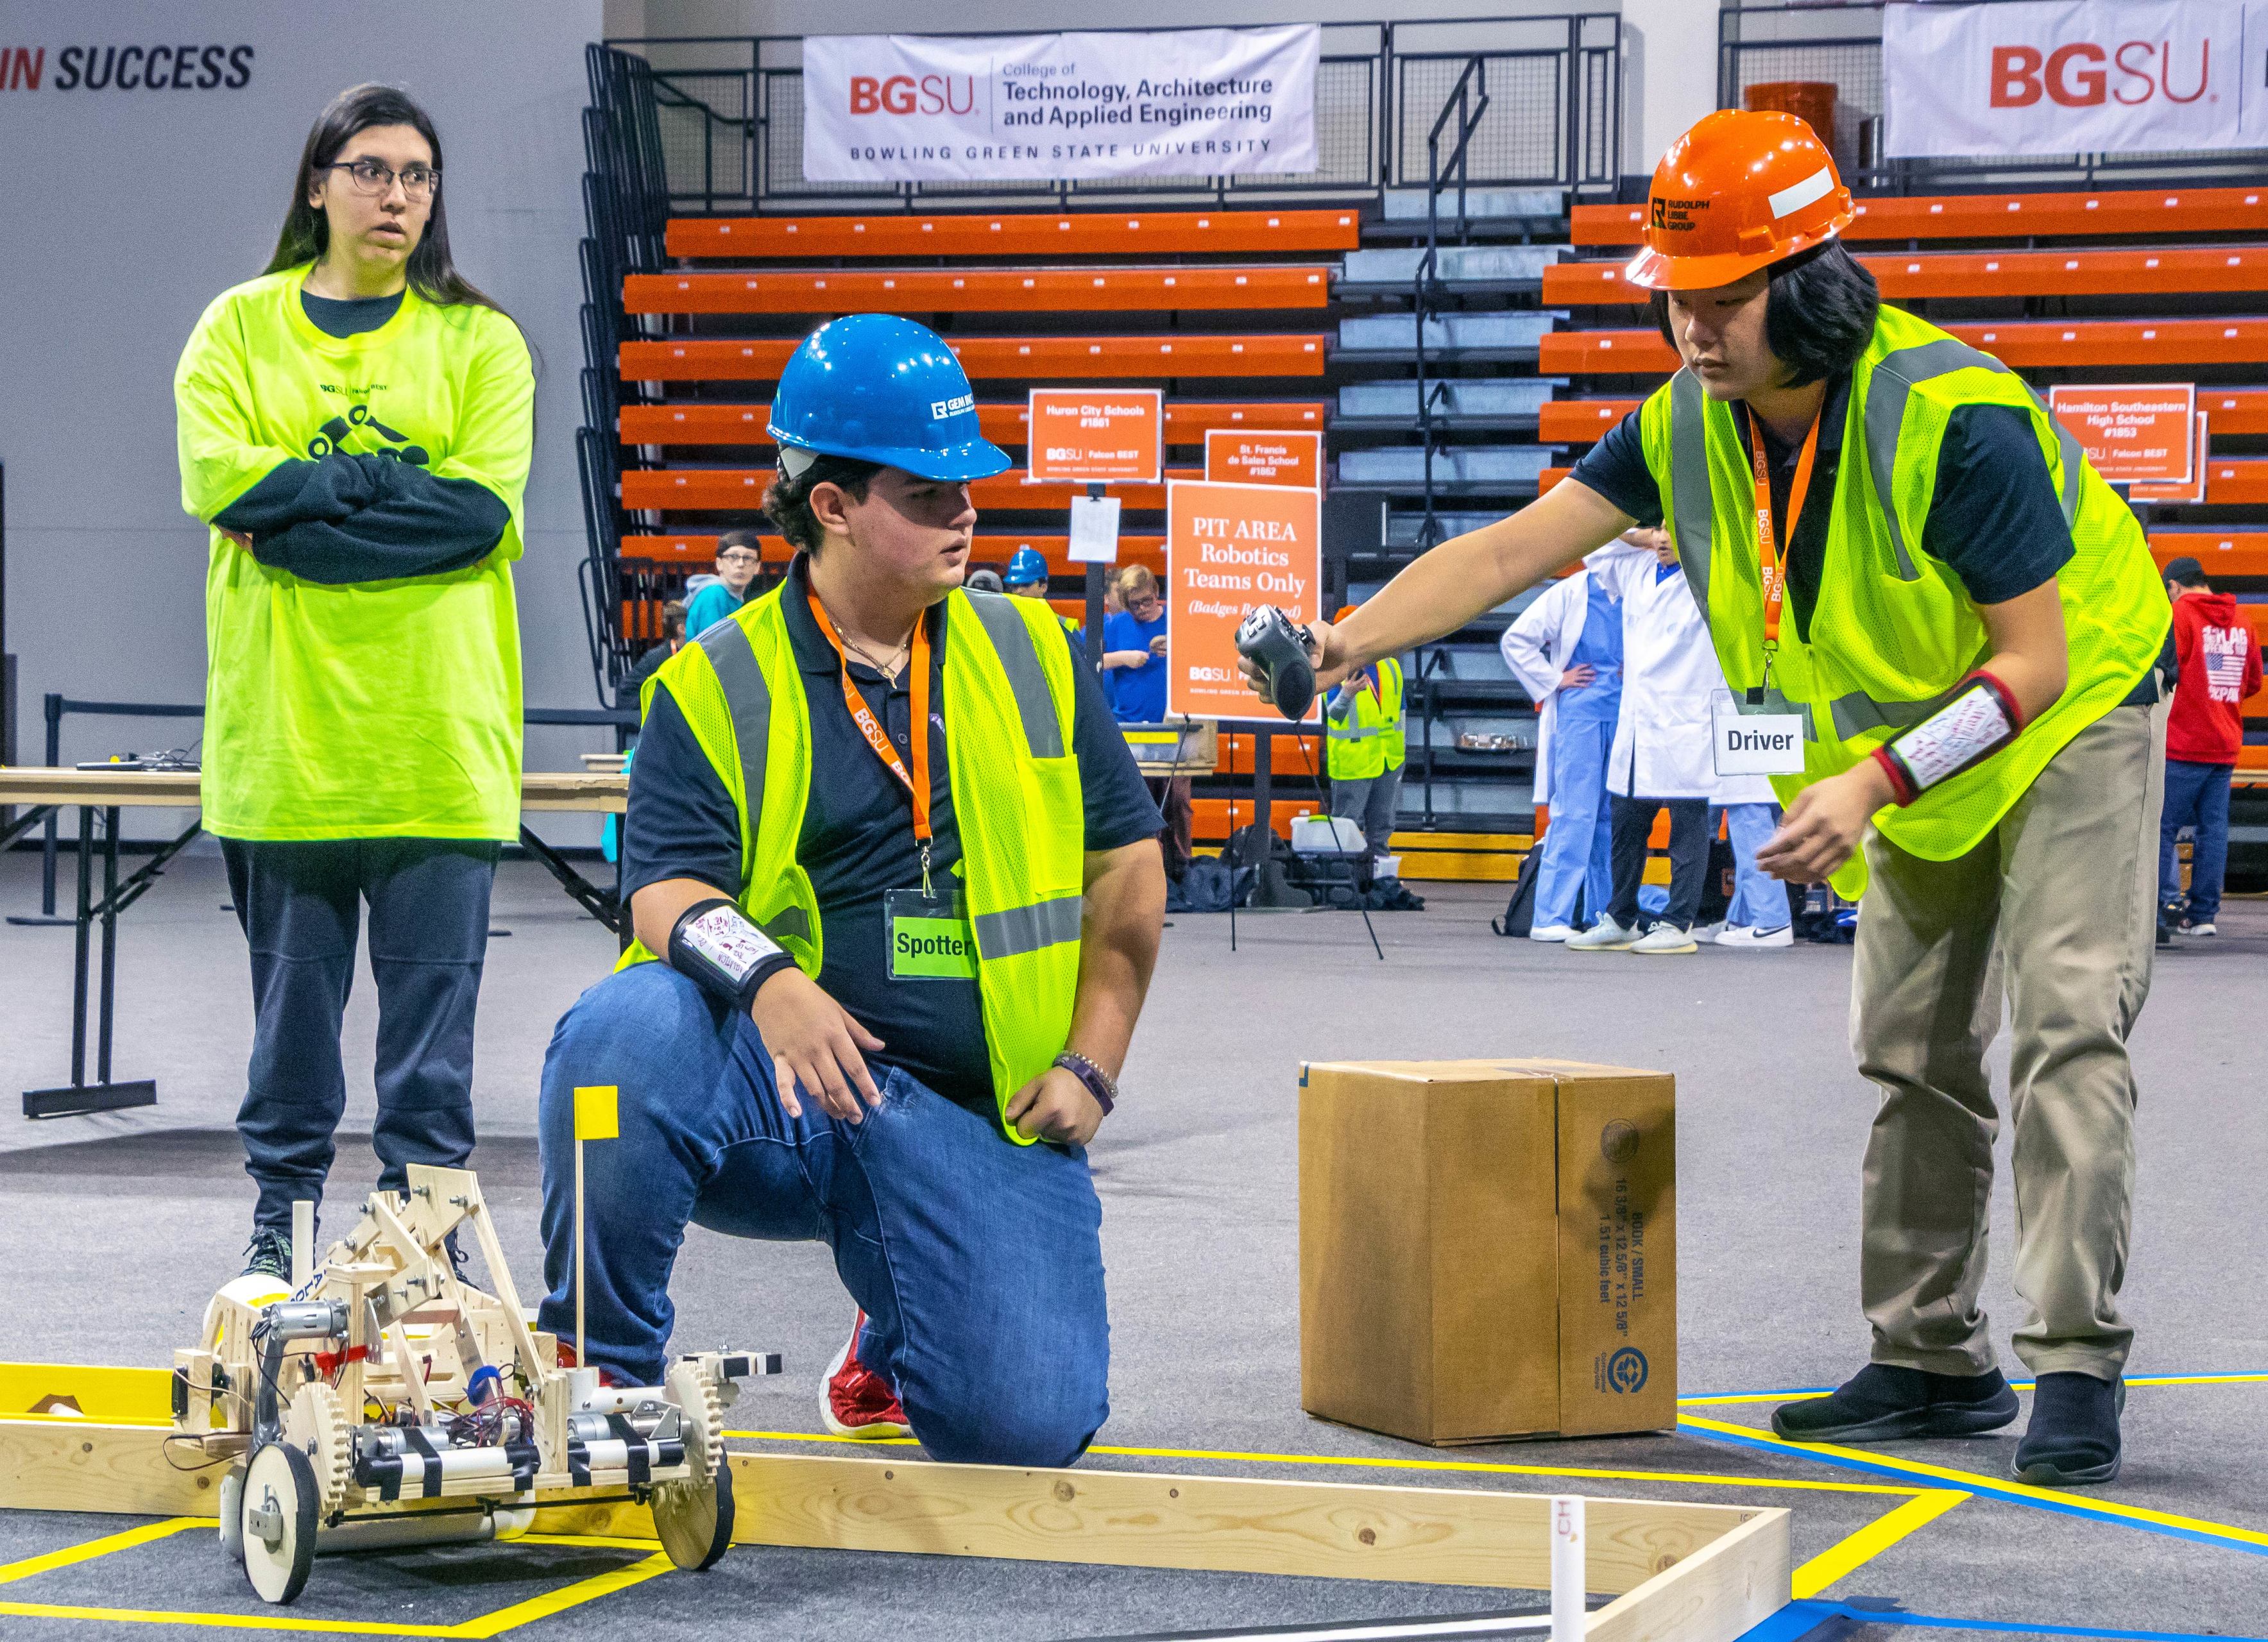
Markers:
1567,1587
596,1118
303,1243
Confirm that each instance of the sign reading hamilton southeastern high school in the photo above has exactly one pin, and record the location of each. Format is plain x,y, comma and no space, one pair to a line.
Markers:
2066,77
1024,107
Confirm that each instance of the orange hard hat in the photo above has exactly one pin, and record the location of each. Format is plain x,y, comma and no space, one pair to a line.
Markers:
1738,192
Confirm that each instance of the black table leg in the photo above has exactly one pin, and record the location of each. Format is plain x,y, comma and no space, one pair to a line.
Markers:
102,1094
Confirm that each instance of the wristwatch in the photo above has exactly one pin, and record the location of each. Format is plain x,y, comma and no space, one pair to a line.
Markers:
1097,1080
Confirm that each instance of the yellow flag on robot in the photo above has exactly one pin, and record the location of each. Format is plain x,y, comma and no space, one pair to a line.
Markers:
596,1114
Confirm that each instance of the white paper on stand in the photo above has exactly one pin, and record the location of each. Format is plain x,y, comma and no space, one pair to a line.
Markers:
1094,530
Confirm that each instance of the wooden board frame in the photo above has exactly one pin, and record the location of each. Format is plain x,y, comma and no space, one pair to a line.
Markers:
1679,1572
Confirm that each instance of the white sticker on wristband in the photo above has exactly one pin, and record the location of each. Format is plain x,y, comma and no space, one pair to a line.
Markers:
725,938
1971,725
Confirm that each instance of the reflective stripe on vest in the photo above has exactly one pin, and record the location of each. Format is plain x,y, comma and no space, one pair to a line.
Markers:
1028,928
1004,627
750,698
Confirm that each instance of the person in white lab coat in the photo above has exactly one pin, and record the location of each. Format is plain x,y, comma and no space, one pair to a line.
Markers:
1660,757
1566,650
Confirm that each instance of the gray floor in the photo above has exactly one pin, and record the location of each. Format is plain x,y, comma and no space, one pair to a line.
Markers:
1197,1177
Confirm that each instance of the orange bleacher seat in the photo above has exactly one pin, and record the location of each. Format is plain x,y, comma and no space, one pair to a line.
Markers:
1288,755
1144,358
1210,818
1085,233
1580,422
978,290
2236,484
2232,552
2158,271
1187,422
2021,345
1586,421
2002,216
688,489
696,552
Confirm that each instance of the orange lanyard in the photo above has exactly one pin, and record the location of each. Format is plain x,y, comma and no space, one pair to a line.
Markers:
917,782
1774,562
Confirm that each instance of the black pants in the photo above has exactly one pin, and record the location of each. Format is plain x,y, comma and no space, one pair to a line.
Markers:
300,904
1689,855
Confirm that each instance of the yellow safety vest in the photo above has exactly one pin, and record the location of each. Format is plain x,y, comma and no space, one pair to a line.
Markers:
371,710
1008,704
1893,630
1369,740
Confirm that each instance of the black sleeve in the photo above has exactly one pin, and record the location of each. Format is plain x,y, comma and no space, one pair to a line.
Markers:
1994,518
682,823
366,518
1616,469
1119,809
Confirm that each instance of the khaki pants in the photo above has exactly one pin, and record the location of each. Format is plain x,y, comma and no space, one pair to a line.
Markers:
2057,909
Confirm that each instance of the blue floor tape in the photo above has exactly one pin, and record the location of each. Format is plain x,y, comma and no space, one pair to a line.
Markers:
1799,1619
1984,1489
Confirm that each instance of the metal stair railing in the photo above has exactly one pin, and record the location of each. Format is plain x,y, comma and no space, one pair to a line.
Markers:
1468,101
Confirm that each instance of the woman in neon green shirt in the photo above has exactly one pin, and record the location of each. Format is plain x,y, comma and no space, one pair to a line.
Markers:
354,428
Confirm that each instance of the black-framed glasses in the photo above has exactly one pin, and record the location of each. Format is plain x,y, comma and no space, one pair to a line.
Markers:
374,177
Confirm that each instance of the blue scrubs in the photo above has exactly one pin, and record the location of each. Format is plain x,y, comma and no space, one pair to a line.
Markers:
1759,900
1575,845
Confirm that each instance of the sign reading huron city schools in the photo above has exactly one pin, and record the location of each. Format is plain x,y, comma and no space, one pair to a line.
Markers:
2065,76
1090,436
1229,547
1236,457
2133,434
1021,107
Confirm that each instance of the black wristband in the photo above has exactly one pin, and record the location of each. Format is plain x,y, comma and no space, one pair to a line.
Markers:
719,947
1096,1080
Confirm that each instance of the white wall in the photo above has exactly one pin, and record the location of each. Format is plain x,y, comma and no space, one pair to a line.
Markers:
1669,75
124,213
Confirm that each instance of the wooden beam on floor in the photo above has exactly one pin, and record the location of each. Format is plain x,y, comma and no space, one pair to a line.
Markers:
1697,1572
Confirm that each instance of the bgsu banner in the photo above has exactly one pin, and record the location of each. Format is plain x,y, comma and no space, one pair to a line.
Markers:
1025,107
2066,77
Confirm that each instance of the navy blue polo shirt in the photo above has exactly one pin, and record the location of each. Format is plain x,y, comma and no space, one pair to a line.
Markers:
857,840
1994,519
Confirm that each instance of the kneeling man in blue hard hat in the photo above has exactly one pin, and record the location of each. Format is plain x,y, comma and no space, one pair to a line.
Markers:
1026,577
896,895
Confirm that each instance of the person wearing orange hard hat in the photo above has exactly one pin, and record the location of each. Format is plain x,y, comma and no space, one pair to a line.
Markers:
1941,632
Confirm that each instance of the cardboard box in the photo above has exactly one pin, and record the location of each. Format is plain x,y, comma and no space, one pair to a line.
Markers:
1488,1248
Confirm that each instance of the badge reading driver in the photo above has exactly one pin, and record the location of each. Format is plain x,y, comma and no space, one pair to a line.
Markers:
1754,743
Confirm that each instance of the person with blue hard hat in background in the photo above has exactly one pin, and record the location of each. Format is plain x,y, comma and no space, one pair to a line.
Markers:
897,904
1026,577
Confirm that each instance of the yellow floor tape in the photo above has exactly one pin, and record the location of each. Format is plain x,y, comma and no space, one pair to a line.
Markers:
1870,1542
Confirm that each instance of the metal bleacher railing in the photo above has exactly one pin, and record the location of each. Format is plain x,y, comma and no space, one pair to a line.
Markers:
713,126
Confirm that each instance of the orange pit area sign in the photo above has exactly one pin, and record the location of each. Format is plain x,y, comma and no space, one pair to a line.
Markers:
1228,548
1095,435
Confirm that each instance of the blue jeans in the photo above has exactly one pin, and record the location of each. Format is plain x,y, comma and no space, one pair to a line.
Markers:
1576,845
2197,795
1759,901
978,1262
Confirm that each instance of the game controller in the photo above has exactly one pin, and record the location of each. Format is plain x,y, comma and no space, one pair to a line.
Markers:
1285,652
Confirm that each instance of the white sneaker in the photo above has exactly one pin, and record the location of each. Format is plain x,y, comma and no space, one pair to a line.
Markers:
1550,932
2199,929
1606,936
1737,935
1667,938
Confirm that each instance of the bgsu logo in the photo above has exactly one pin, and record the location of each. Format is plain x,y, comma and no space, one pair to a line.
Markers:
2078,75
903,94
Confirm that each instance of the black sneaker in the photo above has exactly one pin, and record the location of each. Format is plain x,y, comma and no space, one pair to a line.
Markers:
269,1254
2073,1436
1881,1403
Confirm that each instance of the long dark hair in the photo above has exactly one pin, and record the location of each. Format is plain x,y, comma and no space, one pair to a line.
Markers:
308,232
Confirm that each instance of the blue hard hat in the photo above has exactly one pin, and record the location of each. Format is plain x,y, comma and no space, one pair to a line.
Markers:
1026,566
882,389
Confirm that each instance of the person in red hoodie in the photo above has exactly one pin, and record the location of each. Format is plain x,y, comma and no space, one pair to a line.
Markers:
2220,667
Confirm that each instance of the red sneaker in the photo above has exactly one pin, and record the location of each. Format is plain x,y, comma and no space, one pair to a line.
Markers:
858,1402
